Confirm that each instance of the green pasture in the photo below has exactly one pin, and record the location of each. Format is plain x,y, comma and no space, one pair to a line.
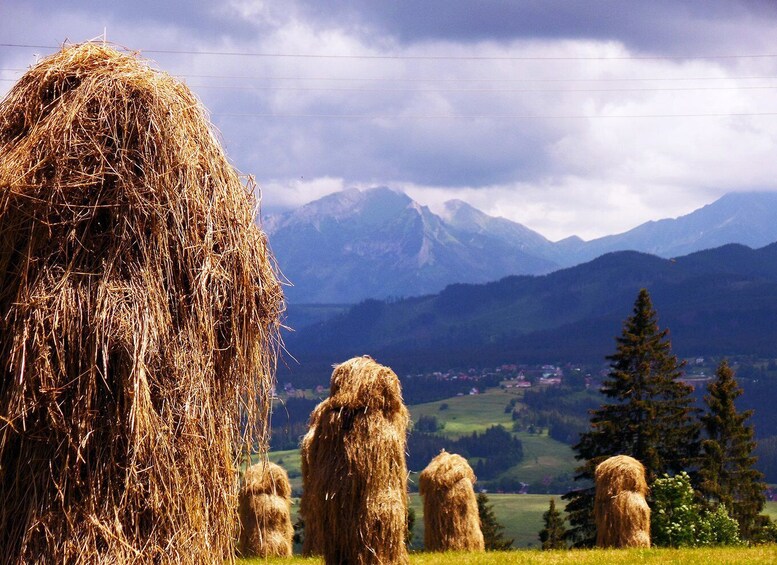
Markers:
468,413
543,456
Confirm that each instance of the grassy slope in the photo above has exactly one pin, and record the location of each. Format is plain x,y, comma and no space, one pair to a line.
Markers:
543,456
467,414
719,556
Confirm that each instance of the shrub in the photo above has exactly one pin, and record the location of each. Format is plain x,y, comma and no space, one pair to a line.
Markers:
678,520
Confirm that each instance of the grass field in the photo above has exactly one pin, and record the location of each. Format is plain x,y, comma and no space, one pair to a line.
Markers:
544,457
718,556
469,413
520,514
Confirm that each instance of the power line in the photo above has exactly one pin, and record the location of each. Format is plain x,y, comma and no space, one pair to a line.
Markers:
467,79
491,116
426,57
468,90
449,80
482,90
446,80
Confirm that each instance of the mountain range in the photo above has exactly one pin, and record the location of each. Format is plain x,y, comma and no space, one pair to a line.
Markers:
716,302
379,243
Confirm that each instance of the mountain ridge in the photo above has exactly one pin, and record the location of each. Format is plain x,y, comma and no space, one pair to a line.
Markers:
377,243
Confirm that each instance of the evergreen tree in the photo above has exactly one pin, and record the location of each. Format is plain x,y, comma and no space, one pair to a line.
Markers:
553,534
649,415
491,528
726,474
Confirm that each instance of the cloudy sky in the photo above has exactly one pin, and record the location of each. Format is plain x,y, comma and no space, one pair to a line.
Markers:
572,117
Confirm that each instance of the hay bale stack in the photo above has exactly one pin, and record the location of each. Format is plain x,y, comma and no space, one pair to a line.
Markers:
451,520
265,512
138,318
354,475
311,544
621,513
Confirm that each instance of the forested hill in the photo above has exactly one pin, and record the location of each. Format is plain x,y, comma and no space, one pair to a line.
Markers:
719,301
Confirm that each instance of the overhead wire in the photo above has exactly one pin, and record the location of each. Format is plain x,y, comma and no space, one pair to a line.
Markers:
430,57
463,80
470,90
489,116
459,79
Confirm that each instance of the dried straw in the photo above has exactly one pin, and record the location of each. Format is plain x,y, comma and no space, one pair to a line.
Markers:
621,513
138,318
354,476
311,543
451,520
265,512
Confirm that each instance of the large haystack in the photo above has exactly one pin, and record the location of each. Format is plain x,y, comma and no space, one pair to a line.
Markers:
451,521
138,318
354,476
265,512
621,513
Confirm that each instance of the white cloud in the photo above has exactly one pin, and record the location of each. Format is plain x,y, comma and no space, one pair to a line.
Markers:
294,193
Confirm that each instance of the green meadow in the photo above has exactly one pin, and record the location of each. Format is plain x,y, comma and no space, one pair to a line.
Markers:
469,413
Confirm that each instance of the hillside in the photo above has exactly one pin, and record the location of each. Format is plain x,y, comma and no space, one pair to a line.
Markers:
718,301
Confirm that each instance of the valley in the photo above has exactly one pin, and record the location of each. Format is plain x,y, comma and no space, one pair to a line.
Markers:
545,459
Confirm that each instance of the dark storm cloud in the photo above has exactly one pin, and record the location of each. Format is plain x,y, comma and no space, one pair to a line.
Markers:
671,27
429,154
204,19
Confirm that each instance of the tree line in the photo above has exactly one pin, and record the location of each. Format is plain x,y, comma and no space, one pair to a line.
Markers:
495,449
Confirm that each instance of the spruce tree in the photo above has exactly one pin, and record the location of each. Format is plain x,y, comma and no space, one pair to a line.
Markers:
491,528
726,473
648,415
553,534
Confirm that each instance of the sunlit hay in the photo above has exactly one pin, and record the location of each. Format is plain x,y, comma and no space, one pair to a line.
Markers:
451,520
265,508
311,544
631,507
621,513
138,318
353,468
